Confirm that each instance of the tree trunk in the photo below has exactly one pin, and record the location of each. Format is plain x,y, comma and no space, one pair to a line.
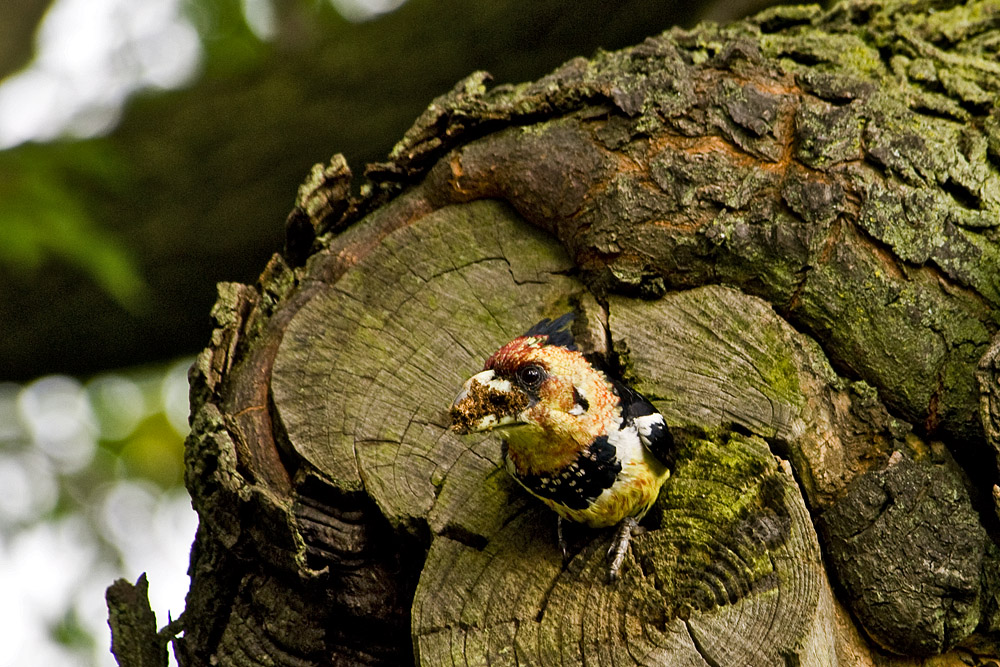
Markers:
784,231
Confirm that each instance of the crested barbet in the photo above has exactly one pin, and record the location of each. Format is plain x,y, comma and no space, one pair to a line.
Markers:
588,446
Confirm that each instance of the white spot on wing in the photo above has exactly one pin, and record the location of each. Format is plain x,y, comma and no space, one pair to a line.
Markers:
646,424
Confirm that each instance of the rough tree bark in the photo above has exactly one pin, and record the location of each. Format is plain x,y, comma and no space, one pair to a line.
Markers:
783,230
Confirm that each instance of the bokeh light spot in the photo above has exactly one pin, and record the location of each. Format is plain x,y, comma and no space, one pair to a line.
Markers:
30,489
57,412
118,404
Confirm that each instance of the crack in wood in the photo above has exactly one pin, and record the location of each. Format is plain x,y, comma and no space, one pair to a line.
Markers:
702,651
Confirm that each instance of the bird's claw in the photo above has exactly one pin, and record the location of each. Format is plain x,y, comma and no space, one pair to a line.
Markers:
561,540
616,553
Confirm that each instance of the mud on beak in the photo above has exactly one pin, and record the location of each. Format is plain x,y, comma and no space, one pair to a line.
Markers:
487,402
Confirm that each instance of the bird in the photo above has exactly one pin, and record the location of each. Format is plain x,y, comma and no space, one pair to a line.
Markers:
586,444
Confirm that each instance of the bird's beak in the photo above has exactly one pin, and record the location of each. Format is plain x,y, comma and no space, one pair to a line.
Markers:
486,402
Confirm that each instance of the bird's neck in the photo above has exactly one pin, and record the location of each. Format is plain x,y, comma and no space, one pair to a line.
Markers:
536,450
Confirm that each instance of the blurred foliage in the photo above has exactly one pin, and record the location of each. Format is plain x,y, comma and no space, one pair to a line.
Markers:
43,221
152,452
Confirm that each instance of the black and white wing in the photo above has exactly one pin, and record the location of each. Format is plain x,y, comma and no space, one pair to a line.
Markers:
652,429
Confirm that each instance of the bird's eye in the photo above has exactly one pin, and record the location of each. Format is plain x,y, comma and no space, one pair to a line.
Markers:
530,376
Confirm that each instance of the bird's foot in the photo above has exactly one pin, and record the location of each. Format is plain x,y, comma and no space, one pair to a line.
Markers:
561,540
616,553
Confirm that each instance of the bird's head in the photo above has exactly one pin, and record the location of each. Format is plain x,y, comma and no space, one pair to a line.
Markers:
537,382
